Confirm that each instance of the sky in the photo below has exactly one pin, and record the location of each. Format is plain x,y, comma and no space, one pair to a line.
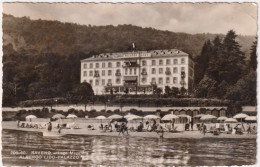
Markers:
177,17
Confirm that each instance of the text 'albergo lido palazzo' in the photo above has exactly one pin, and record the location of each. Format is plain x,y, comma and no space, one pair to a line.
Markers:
138,71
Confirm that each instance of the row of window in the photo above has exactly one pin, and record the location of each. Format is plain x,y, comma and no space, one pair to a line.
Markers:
167,80
144,63
103,65
133,71
143,80
168,70
96,73
168,62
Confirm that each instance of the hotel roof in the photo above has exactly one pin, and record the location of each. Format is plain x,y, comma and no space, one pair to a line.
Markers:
136,54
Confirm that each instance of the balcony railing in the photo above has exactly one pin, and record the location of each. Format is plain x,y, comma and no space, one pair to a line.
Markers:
168,72
109,84
129,84
130,65
143,73
96,75
118,74
153,83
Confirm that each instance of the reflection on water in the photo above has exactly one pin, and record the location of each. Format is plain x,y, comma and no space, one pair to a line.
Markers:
124,151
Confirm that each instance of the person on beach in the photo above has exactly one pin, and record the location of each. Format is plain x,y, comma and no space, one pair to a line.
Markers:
204,129
59,129
160,131
18,123
147,124
49,126
173,121
154,123
140,127
110,126
249,129
116,126
191,125
123,129
126,128
27,125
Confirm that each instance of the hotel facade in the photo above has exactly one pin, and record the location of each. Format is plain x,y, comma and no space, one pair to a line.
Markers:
137,72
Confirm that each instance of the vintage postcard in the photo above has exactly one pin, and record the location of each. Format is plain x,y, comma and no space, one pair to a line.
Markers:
129,84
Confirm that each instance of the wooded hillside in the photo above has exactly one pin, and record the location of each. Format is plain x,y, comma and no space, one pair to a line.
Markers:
41,59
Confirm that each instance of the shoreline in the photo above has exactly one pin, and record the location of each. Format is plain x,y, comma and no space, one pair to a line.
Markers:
168,135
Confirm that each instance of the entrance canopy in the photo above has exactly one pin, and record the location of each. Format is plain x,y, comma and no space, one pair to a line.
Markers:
130,78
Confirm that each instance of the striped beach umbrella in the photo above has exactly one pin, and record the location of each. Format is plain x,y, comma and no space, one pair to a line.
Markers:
222,118
71,116
230,120
151,117
170,117
115,116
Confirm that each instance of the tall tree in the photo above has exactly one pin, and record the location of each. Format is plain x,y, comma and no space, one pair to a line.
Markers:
232,60
202,61
215,59
253,61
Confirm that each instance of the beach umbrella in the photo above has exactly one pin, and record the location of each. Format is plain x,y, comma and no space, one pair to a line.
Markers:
151,117
129,115
58,116
240,116
30,117
101,117
170,117
115,116
208,117
199,115
222,118
251,118
133,117
71,116
230,120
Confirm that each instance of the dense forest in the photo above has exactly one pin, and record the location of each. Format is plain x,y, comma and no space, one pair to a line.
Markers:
41,59
222,71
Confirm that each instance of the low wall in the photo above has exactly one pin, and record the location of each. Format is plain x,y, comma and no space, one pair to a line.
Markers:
112,108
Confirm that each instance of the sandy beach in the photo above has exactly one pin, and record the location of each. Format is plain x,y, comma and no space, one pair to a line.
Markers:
12,125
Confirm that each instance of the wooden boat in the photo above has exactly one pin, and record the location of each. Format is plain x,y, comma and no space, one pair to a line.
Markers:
51,134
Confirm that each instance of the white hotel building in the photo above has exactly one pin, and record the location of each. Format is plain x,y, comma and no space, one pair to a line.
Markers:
138,70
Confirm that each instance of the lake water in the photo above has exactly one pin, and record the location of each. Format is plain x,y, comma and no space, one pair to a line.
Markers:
32,149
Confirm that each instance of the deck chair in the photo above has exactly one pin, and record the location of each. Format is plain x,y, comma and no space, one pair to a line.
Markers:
168,128
22,125
174,130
